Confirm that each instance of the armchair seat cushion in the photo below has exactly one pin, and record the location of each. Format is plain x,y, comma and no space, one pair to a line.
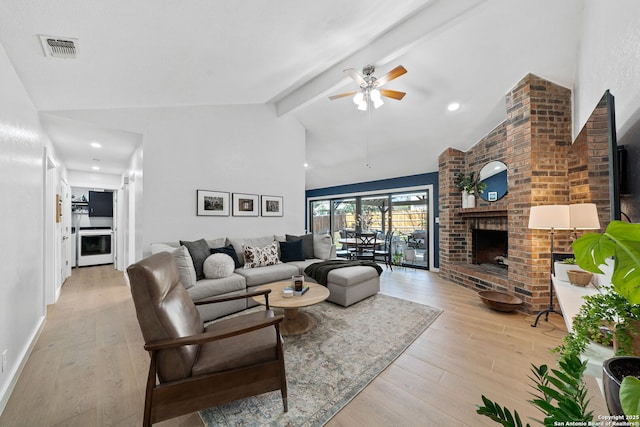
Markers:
237,352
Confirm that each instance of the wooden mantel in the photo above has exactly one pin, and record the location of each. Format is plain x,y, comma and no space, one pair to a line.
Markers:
483,212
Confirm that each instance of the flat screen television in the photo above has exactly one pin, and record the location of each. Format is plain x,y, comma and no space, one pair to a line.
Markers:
101,203
615,169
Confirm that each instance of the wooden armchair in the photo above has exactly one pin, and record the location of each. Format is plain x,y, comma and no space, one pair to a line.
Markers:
193,367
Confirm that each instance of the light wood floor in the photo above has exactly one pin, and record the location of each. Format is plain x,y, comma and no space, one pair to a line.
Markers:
88,367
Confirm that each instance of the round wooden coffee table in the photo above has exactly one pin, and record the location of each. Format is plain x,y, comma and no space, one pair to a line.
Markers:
295,322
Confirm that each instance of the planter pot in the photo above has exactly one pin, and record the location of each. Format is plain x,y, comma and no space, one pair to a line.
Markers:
613,371
579,277
465,200
635,339
561,269
471,200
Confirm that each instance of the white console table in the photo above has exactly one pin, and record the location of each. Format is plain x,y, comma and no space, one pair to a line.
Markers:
570,299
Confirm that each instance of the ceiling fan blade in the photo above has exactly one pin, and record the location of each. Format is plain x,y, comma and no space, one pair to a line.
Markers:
351,72
392,94
342,95
393,74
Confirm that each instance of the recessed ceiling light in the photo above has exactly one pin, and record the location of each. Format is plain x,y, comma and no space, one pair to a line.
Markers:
95,168
453,106
96,145
306,165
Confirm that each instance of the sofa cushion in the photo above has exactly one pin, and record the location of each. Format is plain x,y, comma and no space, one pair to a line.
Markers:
291,251
207,288
186,271
261,257
307,243
322,245
216,243
263,275
218,266
199,251
229,250
239,243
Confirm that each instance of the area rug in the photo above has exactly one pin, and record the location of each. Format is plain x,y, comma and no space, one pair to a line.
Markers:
329,365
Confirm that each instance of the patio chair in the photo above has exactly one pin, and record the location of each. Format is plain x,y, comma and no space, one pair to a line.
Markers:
385,252
365,246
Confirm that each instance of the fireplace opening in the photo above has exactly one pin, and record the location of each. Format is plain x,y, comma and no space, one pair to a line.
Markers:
490,247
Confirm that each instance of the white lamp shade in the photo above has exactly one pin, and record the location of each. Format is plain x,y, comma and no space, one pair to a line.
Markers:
549,217
584,216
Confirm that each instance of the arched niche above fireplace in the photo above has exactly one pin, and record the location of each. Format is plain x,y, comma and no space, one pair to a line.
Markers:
494,174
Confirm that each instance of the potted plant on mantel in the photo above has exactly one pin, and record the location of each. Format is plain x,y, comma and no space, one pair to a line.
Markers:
470,185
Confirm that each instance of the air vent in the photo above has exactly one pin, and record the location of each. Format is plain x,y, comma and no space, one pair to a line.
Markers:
59,47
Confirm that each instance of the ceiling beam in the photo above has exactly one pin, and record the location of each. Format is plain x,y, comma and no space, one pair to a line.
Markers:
437,16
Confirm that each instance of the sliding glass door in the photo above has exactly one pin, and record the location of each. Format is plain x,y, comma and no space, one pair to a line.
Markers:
404,213
410,219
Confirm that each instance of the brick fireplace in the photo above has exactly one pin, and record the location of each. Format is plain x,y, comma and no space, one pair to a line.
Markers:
534,142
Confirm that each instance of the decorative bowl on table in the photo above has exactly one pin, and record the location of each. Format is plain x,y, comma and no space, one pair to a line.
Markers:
500,301
579,277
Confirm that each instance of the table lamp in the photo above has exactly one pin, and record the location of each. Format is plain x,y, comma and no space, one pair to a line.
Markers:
583,216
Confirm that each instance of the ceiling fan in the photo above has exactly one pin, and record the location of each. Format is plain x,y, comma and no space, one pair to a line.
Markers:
370,91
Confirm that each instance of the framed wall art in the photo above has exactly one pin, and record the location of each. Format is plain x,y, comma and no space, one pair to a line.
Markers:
212,203
245,204
272,205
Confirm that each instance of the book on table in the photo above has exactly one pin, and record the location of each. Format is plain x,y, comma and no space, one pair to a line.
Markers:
305,288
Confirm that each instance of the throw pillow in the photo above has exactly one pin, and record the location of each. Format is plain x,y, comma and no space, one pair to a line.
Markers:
260,257
229,250
199,251
322,246
291,251
186,272
218,266
307,244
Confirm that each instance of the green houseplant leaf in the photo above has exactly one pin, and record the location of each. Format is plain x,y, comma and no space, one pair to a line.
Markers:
629,392
560,394
622,241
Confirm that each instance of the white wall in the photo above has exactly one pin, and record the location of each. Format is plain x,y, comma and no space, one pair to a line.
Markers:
90,180
22,299
244,149
609,58
135,209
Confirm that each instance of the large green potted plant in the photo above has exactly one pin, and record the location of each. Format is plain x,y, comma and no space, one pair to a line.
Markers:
619,306
607,318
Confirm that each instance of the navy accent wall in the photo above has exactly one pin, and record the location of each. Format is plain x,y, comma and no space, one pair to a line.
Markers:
386,184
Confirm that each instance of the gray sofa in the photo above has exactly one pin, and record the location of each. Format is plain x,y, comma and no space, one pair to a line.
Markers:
242,279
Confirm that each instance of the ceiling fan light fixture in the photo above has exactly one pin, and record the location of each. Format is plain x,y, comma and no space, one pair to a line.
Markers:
358,98
362,106
376,98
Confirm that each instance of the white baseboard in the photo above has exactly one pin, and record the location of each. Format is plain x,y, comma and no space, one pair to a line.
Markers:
15,374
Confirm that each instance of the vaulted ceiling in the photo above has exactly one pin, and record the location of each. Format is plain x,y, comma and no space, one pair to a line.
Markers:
292,53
